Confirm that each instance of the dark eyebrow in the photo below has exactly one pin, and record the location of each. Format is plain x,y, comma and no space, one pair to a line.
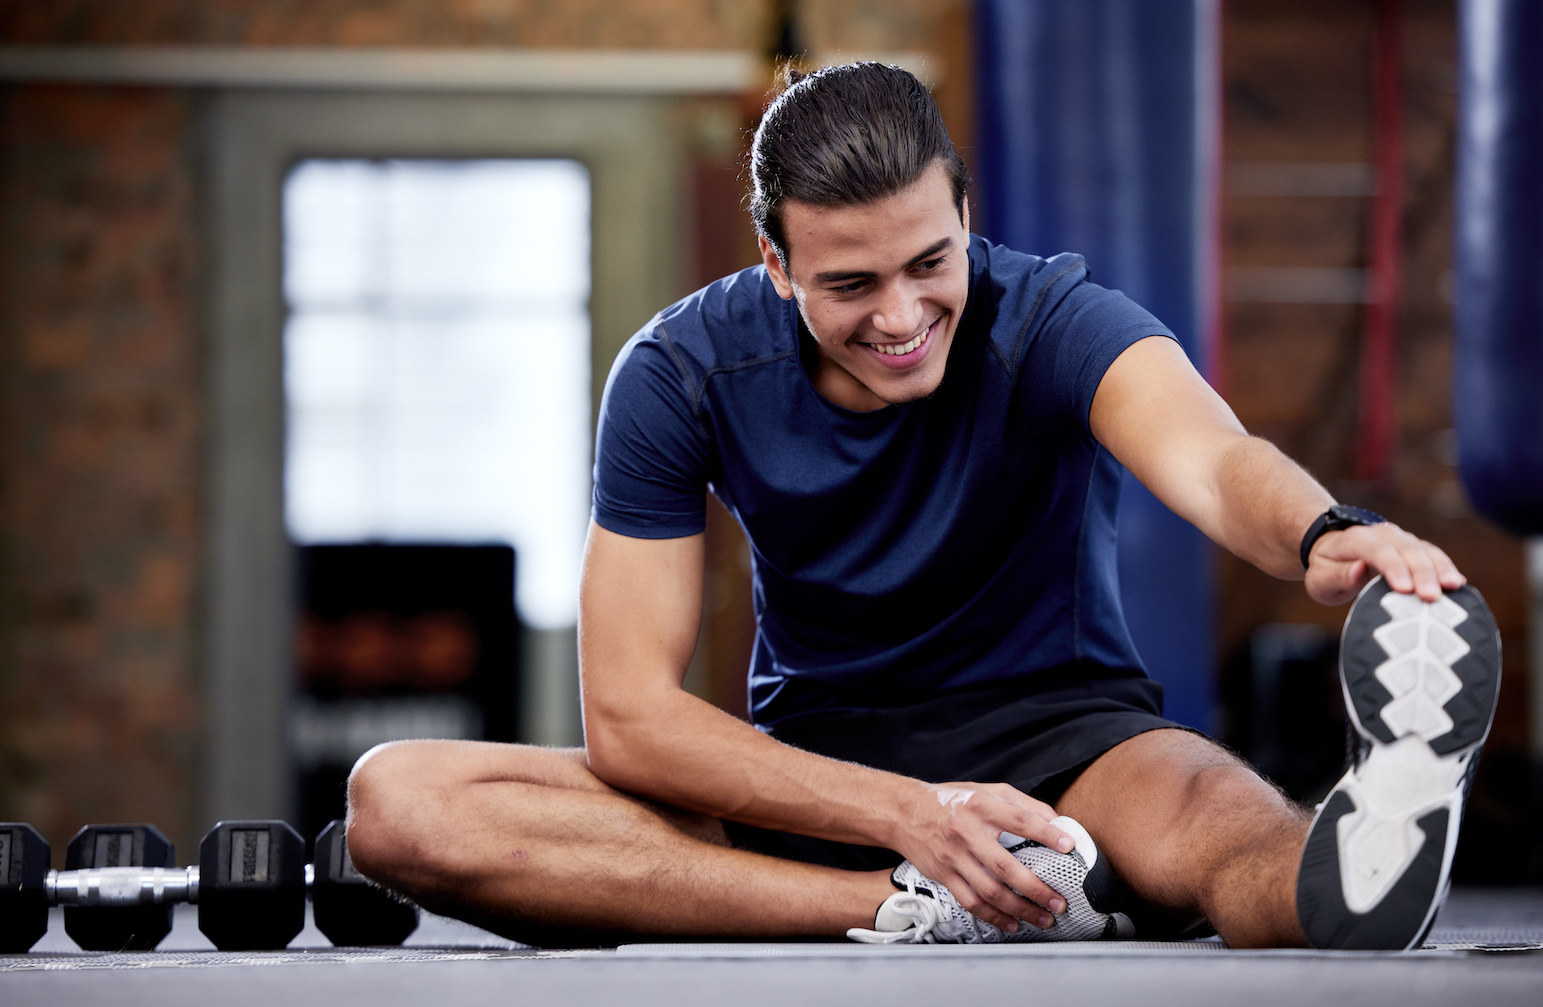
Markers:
928,253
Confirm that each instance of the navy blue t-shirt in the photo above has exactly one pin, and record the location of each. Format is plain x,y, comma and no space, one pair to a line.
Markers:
963,539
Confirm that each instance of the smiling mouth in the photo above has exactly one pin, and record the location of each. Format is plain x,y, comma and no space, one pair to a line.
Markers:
901,349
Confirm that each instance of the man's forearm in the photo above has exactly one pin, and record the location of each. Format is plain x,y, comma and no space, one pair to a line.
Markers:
1173,432
1265,503
715,764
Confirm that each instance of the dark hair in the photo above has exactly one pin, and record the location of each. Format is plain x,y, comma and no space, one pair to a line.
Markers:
844,136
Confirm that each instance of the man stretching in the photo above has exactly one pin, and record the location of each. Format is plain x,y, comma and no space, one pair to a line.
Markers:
922,436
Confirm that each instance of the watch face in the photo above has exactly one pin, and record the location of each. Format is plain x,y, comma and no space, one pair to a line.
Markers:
1345,516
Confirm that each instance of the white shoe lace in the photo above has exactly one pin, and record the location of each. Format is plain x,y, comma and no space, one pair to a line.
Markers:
930,923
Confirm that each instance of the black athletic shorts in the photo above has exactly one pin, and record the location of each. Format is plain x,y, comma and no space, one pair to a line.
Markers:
1038,734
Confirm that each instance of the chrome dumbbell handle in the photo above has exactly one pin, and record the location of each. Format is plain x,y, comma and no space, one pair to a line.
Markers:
130,886
122,886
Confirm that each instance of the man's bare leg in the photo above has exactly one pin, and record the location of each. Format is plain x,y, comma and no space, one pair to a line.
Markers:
528,842
1191,828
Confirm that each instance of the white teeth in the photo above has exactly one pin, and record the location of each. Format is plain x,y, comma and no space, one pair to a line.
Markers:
900,349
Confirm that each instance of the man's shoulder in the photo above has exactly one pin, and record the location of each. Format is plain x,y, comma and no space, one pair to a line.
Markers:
1022,287
732,328
1029,298
729,323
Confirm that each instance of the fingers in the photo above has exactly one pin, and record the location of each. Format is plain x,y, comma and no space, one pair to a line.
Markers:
1421,568
1332,583
981,892
1394,553
1011,885
1409,564
1356,576
1028,826
1027,818
1451,578
1007,870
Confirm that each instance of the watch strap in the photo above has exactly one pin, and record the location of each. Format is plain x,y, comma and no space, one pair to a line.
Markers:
1336,518
1317,528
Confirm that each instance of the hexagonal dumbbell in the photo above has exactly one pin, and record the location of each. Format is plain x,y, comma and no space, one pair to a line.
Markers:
23,887
251,885
138,927
350,910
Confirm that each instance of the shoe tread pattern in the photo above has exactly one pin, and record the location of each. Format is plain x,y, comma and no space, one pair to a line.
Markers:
1473,708
1402,917
1359,656
1478,670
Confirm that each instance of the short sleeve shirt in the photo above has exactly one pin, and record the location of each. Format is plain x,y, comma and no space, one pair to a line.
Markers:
963,539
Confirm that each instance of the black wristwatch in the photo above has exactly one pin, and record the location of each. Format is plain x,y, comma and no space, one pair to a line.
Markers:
1337,518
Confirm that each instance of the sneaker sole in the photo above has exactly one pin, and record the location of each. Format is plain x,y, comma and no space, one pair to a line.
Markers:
1420,683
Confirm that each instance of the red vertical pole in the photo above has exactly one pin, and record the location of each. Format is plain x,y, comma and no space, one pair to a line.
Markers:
1378,429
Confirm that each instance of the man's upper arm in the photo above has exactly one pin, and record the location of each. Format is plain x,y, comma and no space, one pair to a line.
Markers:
1160,419
640,597
640,606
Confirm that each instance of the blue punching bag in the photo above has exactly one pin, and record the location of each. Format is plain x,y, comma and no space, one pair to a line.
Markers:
1091,139
1498,394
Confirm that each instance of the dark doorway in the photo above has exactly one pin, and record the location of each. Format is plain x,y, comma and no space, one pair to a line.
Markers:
398,641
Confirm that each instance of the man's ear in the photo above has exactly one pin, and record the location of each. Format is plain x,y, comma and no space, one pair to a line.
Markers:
965,207
779,276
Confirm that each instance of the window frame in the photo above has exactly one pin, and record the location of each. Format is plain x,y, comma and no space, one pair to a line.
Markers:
633,149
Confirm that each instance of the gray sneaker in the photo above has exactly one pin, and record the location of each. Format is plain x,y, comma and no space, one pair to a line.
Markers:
924,911
1421,682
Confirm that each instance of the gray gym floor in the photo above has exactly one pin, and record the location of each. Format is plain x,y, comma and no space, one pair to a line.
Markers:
1487,947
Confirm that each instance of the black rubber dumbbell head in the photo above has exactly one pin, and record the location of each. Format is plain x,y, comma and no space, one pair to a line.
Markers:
350,910
23,887
118,928
251,885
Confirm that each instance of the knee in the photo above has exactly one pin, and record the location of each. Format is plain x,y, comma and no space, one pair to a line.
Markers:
390,796
1222,786
1226,805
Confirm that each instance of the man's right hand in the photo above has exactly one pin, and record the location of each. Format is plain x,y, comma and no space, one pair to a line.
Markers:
951,831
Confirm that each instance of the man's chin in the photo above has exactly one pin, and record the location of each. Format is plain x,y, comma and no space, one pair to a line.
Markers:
897,392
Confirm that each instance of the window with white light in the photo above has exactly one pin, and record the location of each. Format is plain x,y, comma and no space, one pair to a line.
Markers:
437,360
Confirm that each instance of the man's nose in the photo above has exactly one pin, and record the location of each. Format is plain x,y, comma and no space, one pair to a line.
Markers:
899,311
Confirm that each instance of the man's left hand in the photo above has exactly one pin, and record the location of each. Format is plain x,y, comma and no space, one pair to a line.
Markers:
1342,562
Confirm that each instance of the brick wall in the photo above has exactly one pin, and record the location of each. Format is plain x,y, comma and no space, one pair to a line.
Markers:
682,24
826,25
99,435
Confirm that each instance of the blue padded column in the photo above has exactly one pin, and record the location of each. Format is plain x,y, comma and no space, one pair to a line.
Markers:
1498,395
1090,140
